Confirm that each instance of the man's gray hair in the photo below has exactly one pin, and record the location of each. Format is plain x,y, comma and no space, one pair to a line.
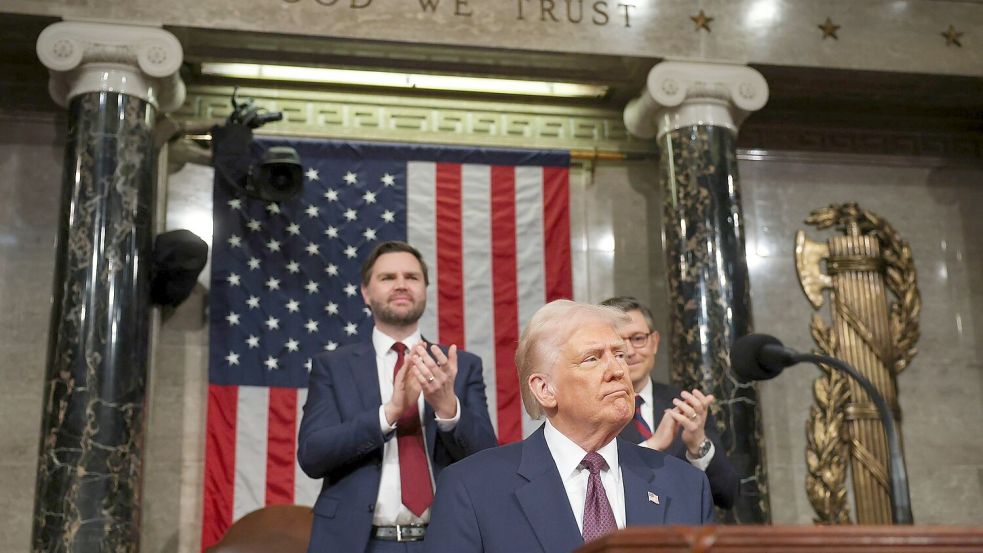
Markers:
550,327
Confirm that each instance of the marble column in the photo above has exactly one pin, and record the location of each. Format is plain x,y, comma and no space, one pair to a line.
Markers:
694,111
113,80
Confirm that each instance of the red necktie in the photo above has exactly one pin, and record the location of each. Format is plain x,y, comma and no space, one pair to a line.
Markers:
414,474
598,515
640,424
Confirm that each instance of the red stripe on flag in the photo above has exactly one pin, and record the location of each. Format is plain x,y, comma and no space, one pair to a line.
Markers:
556,230
220,457
450,277
281,452
505,286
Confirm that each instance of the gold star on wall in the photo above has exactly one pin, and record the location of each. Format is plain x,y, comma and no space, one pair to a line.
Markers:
952,37
829,29
702,21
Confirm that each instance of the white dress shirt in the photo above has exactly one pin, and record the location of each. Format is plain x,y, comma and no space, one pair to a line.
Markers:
648,415
389,508
567,455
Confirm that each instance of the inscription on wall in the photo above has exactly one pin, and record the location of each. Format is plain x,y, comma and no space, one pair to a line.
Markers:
595,12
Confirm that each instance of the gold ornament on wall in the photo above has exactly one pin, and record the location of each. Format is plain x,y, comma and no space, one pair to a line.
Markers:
702,21
829,29
863,266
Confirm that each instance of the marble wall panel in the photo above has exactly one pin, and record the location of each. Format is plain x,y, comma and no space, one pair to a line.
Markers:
31,167
938,210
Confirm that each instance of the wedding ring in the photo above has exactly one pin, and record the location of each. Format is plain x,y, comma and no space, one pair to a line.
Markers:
692,417
430,378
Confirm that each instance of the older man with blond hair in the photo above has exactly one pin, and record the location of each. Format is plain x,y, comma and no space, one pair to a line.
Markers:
573,480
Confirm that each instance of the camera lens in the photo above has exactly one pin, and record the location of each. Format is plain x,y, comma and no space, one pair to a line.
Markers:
280,178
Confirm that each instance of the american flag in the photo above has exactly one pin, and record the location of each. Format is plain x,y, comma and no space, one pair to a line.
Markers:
493,226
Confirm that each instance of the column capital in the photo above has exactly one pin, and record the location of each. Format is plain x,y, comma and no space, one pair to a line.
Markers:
679,94
141,61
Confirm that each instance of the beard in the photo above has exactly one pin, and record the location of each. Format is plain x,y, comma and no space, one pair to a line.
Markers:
385,314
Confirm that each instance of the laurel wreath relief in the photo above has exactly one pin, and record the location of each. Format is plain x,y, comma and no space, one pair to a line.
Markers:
826,440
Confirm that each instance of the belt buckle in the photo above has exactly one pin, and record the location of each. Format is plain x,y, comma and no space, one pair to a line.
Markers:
399,533
408,536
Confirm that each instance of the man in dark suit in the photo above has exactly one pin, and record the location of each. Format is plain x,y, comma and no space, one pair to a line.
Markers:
682,422
573,480
378,439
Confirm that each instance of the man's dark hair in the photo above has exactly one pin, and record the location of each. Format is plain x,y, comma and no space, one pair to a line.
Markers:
392,246
631,303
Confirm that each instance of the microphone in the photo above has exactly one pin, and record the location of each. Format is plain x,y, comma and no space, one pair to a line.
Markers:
763,357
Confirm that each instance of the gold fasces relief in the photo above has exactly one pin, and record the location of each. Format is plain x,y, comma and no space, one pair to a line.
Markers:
875,334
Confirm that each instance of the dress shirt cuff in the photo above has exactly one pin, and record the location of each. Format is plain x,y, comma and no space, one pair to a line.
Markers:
703,462
383,423
446,425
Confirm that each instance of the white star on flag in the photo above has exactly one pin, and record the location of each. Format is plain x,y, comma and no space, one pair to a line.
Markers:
311,287
351,252
233,318
253,342
311,326
293,306
292,345
312,174
331,346
312,211
309,364
388,179
351,215
351,178
313,249
235,241
273,284
272,323
254,225
351,329
388,216
331,232
273,208
273,245
234,279
350,290
331,269
369,197
232,358
271,363
293,267
293,229
253,302
331,308
369,234
235,203
253,263
331,195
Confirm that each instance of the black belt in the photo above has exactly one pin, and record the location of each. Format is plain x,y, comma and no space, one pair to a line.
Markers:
400,532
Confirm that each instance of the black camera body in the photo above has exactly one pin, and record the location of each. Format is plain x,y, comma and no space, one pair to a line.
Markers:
273,175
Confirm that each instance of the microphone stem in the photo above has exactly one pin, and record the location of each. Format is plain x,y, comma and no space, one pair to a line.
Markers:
900,498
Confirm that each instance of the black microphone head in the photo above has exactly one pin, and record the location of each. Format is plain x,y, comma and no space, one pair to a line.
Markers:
758,357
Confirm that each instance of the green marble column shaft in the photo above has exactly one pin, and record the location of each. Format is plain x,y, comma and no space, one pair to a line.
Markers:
710,302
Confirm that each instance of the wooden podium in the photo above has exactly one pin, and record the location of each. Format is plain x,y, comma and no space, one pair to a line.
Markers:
790,539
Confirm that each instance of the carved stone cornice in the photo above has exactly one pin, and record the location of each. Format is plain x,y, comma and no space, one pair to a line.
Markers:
140,61
679,94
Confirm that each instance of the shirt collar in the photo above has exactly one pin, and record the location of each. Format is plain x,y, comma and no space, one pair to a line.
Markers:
646,392
382,342
567,454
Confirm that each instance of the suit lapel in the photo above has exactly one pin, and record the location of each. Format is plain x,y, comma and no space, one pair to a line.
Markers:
544,499
644,503
366,380
429,419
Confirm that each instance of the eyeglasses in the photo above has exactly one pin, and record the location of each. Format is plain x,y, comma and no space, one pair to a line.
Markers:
640,340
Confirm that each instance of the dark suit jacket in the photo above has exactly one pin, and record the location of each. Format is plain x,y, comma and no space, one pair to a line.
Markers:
511,499
341,442
723,477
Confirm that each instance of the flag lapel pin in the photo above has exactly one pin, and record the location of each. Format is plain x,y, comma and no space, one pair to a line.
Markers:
654,498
